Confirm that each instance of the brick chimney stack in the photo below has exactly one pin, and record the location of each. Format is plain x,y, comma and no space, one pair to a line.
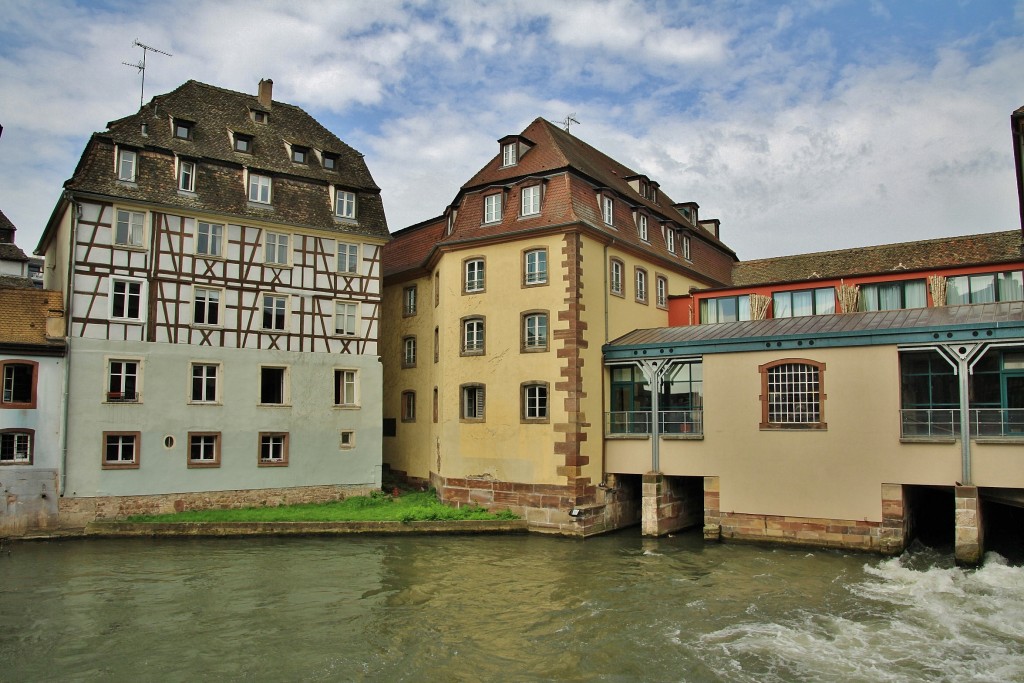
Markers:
266,94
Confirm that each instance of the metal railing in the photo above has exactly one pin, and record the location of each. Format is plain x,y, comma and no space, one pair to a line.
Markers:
938,423
670,422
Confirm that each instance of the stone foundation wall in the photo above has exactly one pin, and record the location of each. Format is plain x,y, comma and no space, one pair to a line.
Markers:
968,537
671,503
28,500
78,512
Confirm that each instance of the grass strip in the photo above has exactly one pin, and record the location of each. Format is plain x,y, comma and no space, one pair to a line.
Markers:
377,507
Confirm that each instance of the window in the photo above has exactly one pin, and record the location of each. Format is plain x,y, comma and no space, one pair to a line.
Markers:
819,301
670,240
890,296
203,449
409,352
608,210
437,344
126,162
121,450
473,336
123,381
985,288
409,300
408,406
261,117
615,277
273,449
259,188
19,384
531,200
345,205
661,292
275,249
128,230
345,388
641,285
204,383
641,227
275,312
492,208
210,239
300,155
187,176
686,247
243,143
535,332
680,399
183,129
125,299
536,267
347,439
535,402
330,161
472,402
16,446
792,394
345,318
474,281
508,154
273,386
206,308
348,258
725,309
929,396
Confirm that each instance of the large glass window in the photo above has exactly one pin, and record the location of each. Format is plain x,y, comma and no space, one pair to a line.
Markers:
630,401
929,395
819,301
891,296
725,309
985,288
791,395
681,399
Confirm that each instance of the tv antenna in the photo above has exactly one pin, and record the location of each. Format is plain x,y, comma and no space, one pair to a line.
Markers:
570,119
141,66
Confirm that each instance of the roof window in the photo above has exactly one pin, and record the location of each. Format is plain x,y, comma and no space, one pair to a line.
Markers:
300,155
260,116
183,129
330,161
243,143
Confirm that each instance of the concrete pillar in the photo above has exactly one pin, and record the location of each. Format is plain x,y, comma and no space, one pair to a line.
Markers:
670,504
968,543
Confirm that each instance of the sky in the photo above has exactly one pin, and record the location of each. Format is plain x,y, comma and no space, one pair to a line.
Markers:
802,126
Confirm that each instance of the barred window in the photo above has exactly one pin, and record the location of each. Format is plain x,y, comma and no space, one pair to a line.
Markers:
792,394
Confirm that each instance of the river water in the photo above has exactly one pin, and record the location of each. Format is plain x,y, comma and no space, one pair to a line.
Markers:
500,608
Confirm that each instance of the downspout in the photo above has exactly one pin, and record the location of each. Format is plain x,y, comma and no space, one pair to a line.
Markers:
69,281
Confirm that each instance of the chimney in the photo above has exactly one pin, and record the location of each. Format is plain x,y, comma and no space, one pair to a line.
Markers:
266,93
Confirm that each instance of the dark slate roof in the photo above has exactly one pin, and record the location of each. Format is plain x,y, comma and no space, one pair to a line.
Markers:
300,196
23,315
11,252
829,330
5,223
945,252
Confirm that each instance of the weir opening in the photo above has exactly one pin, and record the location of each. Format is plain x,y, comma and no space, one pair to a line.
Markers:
931,511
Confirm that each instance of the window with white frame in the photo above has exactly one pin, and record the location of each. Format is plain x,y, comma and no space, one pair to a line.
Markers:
125,299
641,285
273,449
820,301
535,402
348,257
408,406
123,381
204,383
409,352
531,200
615,277
642,227
273,386
725,309
206,306
509,155
121,450
492,208
474,281
345,205
535,267
473,336
275,312
203,449
661,292
472,397
347,439
129,228
275,249
670,240
127,161
16,446
259,188
686,247
608,210
209,239
409,300
19,390
187,176
890,296
346,318
792,394
984,288
535,331
346,388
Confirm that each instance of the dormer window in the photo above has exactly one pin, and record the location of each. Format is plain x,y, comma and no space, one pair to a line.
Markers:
330,161
608,210
641,227
243,143
345,205
509,154
686,247
183,129
300,155
260,116
670,239
126,160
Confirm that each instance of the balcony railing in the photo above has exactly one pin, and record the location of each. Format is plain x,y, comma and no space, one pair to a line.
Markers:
670,422
945,422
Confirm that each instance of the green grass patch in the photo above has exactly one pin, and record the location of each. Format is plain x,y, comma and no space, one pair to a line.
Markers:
378,507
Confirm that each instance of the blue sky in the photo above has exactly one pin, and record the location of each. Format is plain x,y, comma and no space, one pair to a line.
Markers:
803,126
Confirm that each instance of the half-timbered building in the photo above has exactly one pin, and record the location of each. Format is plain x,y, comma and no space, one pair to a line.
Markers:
219,254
